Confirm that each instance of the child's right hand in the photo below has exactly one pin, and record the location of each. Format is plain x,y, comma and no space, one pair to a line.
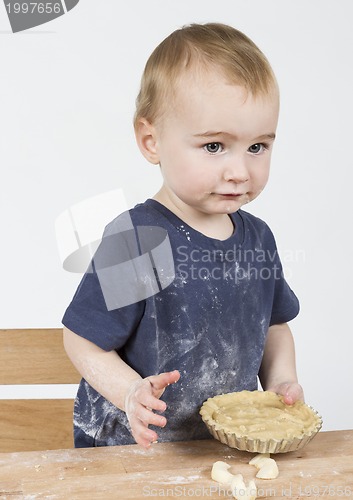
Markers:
141,398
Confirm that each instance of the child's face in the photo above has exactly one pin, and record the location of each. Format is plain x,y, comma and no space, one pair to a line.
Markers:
214,145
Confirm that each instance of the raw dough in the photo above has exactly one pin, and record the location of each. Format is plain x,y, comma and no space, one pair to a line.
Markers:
260,415
220,473
258,459
242,492
267,466
268,470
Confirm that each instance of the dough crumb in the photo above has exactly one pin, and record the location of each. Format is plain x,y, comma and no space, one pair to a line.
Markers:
258,459
242,492
268,470
220,473
267,466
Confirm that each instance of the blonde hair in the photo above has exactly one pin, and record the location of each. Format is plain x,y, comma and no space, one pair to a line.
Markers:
206,46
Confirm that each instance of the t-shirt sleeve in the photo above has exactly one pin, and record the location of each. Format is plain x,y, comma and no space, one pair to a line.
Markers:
88,316
101,310
285,303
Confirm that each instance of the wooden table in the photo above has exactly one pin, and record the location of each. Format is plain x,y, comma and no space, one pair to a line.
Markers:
324,468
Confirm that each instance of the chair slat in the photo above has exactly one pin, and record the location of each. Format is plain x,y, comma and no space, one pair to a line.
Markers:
33,425
35,356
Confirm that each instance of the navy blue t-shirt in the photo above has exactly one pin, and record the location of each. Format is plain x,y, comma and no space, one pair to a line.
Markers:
167,297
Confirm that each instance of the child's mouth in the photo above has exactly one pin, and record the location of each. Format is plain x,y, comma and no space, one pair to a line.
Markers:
230,195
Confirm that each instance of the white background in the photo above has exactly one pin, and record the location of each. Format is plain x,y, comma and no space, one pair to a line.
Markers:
67,92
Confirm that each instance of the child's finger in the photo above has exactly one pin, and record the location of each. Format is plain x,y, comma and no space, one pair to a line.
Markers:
142,435
293,393
143,394
152,402
162,380
147,417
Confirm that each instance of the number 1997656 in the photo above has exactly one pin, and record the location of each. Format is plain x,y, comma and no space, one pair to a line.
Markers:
34,7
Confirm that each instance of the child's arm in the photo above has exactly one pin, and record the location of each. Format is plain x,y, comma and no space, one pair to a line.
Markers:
108,374
278,370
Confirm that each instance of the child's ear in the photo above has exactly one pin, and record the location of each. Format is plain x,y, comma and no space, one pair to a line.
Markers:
146,139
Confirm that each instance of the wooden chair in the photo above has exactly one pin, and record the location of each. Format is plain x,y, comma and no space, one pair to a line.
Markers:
35,356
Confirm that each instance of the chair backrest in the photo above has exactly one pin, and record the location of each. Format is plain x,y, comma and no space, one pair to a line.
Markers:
31,357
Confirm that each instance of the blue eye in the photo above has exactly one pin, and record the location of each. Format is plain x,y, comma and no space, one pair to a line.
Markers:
213,147
256,148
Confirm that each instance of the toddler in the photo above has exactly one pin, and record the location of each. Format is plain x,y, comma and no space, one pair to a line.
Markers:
185,298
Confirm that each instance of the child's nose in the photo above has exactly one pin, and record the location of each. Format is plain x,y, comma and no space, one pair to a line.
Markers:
236,171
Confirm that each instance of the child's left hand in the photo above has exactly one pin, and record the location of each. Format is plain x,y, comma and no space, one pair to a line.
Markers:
291,392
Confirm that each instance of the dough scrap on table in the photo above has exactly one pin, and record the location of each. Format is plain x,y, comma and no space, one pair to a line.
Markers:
258,459
269,470
220,473
267,466
241,491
